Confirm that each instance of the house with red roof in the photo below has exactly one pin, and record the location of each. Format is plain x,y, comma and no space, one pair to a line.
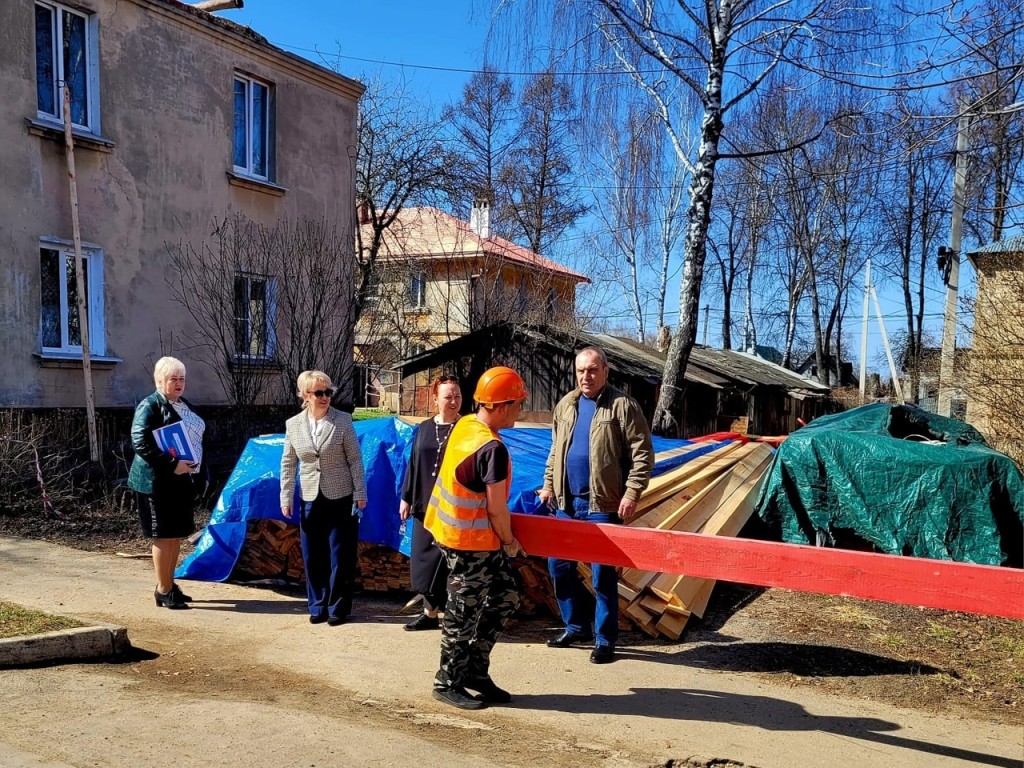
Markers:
439,277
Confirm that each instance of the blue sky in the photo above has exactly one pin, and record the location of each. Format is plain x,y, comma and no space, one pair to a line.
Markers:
419,38
432,48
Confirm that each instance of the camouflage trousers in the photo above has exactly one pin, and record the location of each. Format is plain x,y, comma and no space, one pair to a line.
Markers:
482,596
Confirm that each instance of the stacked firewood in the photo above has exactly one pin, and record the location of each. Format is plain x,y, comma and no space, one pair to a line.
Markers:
713,494
383,569
273,551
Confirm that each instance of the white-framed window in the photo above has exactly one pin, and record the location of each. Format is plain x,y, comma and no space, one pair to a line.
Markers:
67,53
373,288
418,290
254,316
415,348
253,134
60,327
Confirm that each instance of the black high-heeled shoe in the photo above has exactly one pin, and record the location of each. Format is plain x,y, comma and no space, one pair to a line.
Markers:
175,589
169,600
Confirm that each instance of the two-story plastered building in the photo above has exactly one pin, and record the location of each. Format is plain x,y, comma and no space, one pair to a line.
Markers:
439,277
179,118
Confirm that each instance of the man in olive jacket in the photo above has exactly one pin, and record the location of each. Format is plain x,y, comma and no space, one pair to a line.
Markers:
600,462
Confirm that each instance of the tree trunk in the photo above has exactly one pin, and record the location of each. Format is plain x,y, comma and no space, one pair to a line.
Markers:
668,414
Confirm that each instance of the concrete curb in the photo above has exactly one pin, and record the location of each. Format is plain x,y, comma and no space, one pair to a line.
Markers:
65,645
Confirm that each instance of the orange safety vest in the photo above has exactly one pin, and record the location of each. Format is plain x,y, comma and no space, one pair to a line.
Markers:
457,516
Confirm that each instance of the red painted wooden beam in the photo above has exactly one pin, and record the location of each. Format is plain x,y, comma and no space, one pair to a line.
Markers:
983,589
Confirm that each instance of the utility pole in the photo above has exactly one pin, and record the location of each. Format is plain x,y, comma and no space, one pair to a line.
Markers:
83,310
953,266
864,336
707,311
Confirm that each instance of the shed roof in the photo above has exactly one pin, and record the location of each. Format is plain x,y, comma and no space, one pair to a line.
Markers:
753,370
716,368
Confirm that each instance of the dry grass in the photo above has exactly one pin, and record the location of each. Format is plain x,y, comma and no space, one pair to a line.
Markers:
16,621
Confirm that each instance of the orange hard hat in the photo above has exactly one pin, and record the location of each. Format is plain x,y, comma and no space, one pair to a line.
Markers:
500,385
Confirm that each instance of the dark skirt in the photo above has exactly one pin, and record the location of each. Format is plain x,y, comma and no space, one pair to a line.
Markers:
427,563
169,512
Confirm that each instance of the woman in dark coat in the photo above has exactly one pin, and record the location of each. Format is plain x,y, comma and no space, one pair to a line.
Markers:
429,573
165,486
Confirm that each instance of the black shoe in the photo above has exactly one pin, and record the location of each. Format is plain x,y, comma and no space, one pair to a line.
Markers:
602,654
318,619
336,621
458,697
169,600
423,622
567,639
175,589
489,692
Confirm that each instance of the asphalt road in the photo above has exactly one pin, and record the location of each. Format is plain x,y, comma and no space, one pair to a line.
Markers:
243,679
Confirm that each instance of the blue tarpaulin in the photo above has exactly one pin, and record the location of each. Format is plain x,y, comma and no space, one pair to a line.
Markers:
252,491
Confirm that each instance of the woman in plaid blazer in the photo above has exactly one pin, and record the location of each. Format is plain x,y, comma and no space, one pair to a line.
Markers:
322,442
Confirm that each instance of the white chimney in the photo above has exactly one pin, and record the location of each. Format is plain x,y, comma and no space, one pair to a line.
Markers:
480,218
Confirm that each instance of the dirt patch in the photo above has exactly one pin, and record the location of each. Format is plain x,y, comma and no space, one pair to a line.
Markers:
925,659
221,672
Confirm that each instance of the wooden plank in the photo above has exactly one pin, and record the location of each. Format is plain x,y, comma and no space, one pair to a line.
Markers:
671,625
640,614
653,604
983,589
680,451
669,608
725,494
636,579
703,467
687,589
727,520
700,601
625,592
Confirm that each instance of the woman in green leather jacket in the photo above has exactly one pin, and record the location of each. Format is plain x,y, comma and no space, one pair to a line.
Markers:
165,486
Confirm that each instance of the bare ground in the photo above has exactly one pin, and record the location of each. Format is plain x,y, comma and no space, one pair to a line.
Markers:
930,660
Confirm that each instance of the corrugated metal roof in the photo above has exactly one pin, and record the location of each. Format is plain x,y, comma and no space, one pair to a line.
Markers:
1009,245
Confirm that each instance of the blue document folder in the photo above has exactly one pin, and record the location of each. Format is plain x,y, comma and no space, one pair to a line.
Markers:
173,440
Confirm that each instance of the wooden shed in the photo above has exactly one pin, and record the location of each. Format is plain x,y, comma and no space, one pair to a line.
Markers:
725,390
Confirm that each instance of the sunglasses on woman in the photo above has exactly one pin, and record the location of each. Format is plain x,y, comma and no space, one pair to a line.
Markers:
322,393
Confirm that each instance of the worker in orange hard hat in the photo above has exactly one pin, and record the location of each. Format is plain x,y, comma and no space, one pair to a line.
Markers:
469,518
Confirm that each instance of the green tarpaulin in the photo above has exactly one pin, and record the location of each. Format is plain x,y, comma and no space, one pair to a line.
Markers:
900,479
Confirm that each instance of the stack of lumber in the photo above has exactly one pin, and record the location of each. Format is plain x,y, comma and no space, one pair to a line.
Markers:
713,494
